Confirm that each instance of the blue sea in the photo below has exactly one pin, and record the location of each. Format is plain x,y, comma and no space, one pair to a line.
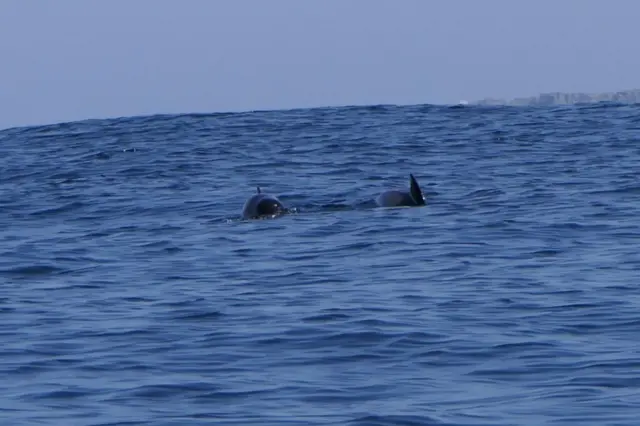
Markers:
132,292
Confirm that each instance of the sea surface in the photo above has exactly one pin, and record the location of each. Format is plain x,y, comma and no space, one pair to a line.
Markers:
131,292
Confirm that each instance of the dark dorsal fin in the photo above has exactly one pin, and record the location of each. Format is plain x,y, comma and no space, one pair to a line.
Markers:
416,192
258,188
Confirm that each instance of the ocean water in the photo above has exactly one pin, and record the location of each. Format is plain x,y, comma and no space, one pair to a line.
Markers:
131,293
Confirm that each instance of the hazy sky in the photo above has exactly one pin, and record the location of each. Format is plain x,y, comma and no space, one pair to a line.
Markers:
74,59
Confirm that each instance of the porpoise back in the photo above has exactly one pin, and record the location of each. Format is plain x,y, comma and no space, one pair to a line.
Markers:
398,198
262,205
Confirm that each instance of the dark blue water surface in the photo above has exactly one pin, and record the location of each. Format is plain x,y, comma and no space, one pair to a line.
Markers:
132,294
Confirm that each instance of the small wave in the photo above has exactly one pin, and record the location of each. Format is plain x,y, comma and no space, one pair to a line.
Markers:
70,207
32,271
396,420
197,316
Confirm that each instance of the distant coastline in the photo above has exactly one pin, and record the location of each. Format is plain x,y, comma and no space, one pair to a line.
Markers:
560,98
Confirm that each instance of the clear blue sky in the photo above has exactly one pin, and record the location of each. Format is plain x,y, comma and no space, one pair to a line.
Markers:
74,59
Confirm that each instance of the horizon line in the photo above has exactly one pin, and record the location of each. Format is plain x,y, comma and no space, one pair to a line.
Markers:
464,103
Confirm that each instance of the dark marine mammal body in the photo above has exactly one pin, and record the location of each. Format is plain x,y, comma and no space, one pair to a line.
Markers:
398,198
262,205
